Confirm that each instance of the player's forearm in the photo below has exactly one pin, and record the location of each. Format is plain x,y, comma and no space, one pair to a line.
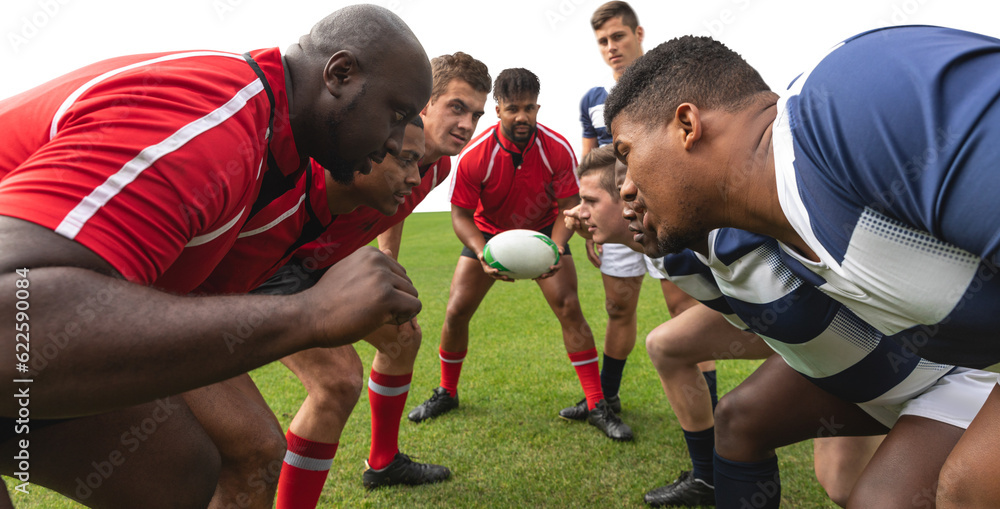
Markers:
465,229
560,233
391,239
95,343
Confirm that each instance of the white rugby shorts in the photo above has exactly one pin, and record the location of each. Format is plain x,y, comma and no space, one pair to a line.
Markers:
619,260
955,399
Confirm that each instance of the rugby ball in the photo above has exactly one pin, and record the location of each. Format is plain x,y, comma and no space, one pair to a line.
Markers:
521,254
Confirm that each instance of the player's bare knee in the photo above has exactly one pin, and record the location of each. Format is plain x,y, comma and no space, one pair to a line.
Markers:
260,466
459,311
734,431
666,349
955,485
659,350
339,387
567,309
405,349
619,310
837,492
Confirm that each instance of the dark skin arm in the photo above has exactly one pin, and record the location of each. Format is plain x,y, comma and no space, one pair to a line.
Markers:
390,240
107,343
465,228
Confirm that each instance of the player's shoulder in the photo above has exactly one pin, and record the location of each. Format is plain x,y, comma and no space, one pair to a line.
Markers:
479,147
730,244
553,141
596,95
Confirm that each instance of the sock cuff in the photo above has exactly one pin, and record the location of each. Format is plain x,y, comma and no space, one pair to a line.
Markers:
307,448
452,357
584,357
700,435
389,381
746,471
611,360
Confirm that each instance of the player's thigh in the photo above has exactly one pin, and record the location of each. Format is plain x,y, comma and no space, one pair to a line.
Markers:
621,294
776,406
238,420
151,455
703,334
677,300
904,470
969,476
561,288
320,368
469,286
839,461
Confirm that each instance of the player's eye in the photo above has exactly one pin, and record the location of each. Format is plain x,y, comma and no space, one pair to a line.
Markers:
399,116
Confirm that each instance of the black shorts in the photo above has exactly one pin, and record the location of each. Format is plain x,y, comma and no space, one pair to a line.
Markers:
546,230
293,277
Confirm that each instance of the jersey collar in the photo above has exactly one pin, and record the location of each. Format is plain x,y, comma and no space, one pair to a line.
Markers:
516,154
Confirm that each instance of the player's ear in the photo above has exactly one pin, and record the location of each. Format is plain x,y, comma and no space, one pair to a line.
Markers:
498,110
687,120
341,71
640,33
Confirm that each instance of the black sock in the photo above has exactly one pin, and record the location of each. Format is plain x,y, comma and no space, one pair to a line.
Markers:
756,484
611,375
711,379
701,447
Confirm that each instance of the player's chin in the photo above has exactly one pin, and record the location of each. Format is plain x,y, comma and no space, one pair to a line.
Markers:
389,209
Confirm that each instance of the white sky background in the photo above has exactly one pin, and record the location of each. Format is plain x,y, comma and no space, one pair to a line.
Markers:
45,38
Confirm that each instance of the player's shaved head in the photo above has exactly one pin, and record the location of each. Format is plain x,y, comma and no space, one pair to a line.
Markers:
356,79
369,31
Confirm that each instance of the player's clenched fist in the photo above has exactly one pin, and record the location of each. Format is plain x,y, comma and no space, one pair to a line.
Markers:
359,294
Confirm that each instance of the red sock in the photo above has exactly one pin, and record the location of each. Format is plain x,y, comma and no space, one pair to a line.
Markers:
304,472
387,396
451,368
585,363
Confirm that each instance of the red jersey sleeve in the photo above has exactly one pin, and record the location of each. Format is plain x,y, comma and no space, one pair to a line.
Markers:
564,183
467,177
147,163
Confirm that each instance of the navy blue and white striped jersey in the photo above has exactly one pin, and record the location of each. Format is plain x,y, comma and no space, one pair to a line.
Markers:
592,115
887,157
816,335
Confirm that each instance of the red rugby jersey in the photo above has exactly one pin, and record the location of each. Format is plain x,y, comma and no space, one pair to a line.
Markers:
269,239
505,197
151,161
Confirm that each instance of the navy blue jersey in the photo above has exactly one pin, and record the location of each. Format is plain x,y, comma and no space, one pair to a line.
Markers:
886,156
592,115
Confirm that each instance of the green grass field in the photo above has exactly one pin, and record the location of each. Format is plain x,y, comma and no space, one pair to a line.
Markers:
506,445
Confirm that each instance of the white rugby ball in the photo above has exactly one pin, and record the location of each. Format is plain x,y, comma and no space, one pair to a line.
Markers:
521,254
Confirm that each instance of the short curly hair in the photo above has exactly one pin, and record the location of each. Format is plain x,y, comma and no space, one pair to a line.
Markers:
459,65
514,83
698,70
